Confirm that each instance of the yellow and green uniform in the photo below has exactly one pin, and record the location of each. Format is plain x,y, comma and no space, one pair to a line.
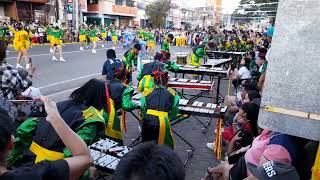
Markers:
83,34
114,36
119,98
145,78
2,34
21,41
56,37
103,33
130,58
158,106
165,46
48,30
150,41
93,35
197,53
36,139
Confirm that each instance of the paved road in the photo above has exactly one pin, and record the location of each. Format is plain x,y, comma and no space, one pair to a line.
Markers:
57,80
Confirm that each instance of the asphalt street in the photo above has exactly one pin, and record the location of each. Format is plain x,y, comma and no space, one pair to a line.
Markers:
58,79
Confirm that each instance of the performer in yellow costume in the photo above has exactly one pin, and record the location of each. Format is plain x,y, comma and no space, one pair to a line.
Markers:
93,38
56,42
21,43
82,36
103,34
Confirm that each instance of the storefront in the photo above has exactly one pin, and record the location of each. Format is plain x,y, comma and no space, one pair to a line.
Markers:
28,11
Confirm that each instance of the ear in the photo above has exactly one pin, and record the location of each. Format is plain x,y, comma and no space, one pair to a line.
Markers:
10,143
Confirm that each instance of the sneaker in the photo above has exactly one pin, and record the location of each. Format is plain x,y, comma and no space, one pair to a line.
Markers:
81,48
28,66
51,50
94,51
54,58
102,45
62,60
210,146
18,66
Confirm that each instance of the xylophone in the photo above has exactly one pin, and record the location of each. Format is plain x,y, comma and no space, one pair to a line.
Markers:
217,62
195,108
202,70
190,84
106,154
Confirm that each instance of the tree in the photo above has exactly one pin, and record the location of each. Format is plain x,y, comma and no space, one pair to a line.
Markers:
158,11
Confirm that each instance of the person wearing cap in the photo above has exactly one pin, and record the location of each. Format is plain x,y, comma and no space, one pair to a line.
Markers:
82,36
165,46
268,146
93,38
159,105
56,43
199,52
65,168
130,57
145,76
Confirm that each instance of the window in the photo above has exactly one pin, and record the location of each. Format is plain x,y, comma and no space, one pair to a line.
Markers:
92,1
119,2
130,3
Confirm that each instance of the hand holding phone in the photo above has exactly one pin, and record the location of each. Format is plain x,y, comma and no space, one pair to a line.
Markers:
30,108
51,109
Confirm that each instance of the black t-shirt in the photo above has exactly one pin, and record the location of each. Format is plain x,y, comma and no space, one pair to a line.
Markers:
48,170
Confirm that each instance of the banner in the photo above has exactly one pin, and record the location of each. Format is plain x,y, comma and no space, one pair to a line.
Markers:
83,5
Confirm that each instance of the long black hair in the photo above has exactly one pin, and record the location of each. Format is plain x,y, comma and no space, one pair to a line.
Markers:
252,111
92,93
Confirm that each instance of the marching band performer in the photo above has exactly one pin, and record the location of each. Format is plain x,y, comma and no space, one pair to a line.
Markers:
93,38
151,43
114,38
103,34
199,52
48,30
165,46
37,141
131,57
82,36
56,43
145,76
118,97
159,105
21,43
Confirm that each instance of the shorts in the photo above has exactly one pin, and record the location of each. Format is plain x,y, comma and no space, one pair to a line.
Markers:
82,38
114,39
103,35
56,42
151,44
93,39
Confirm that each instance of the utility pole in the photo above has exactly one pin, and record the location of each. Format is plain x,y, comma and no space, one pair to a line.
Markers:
76,2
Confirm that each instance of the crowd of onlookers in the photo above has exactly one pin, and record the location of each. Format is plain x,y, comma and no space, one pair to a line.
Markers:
251,152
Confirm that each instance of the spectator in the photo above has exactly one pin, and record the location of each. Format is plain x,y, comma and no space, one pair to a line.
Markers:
150,161
69,168
110,64
12,84
268,146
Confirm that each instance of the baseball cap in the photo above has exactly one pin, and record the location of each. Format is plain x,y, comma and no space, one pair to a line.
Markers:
273,170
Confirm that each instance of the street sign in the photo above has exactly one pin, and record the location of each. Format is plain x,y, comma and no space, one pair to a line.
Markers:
69,9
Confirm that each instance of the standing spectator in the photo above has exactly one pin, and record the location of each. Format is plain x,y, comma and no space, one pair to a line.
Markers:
11,83
41,34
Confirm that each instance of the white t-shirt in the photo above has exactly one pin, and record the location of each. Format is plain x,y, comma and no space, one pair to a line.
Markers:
244,73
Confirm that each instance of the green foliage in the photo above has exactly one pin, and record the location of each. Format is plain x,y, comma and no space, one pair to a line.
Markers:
157,12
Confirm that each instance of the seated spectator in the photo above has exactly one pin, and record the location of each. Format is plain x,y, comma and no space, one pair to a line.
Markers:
69,168
12,84
243,73
110,64
150,161
252,96
268,146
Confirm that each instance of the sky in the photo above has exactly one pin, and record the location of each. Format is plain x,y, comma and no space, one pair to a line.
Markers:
227,5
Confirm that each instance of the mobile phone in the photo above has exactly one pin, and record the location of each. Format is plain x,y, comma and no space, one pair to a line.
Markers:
30,108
